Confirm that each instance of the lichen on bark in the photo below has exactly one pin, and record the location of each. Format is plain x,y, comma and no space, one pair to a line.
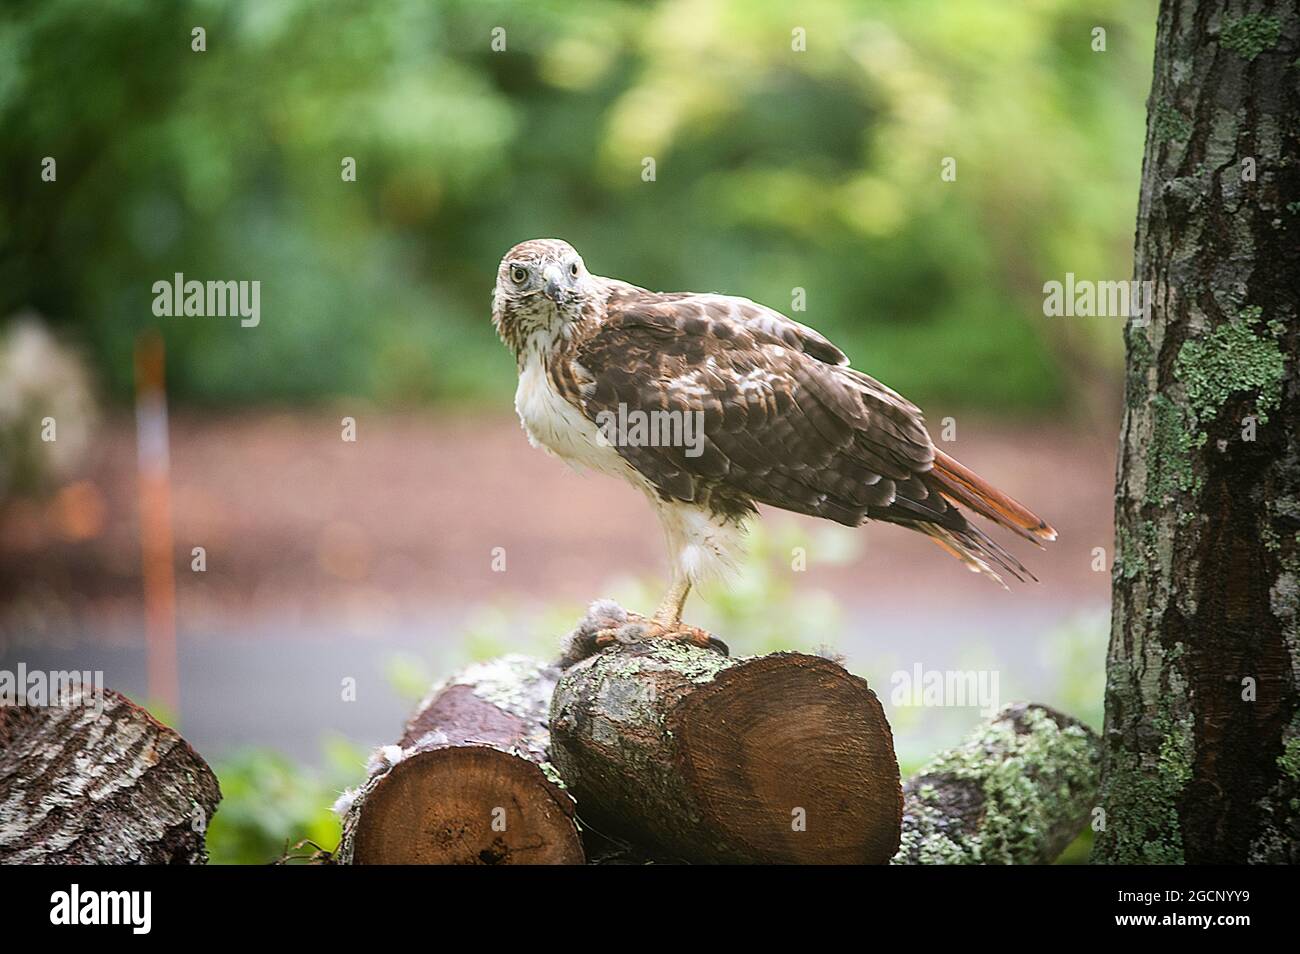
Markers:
1232,358
1015,792
1168,459
1250,35
1203,669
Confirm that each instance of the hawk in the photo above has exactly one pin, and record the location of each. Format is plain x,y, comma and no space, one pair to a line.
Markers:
758,409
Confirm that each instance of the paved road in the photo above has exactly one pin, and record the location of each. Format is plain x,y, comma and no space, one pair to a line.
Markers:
284,690
326,558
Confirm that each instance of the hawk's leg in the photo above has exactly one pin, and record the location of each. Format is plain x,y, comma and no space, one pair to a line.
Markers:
667,620
666,624
669,613
699,541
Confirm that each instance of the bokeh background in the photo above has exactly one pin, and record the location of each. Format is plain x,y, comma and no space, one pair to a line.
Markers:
775,169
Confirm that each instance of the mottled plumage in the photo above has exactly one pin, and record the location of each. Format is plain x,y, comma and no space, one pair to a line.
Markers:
785,420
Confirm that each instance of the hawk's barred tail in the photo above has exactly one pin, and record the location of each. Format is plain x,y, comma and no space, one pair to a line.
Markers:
976,549
962,485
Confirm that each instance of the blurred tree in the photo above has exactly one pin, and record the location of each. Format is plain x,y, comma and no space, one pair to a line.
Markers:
816,168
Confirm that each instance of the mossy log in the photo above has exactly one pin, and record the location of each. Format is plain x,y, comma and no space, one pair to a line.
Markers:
468,782
1017,791
95,779
689,755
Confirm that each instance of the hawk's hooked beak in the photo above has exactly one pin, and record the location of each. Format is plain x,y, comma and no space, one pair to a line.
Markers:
552,276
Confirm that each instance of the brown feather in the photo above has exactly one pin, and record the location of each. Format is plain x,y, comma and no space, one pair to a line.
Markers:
962,485
785,422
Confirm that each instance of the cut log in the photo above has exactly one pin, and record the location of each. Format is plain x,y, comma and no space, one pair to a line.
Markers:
1017,791
95,779
468,783
701,758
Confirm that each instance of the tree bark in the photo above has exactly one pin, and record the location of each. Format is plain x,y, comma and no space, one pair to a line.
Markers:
468,782
85,784
691,756
1016,792
1202,738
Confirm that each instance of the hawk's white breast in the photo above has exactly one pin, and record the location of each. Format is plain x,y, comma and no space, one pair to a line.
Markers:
555,425
703,544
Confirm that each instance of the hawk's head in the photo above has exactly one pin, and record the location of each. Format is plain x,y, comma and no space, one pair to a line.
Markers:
542,289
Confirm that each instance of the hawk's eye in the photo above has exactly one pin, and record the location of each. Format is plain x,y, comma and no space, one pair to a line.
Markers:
573,269
518,274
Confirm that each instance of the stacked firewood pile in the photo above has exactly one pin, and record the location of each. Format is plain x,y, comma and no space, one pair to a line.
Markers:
642,750
626,750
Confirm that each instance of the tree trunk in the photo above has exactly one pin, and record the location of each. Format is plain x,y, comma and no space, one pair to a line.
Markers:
1017,792
693,756
1202,739
468,783
80,784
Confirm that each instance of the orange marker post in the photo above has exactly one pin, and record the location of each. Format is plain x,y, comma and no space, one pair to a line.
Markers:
154,466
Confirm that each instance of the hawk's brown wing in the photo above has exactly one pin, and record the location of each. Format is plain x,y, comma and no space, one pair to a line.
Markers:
623,297
785,422
780,425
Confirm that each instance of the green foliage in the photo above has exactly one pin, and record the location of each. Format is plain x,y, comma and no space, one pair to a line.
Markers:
1078,851
1289,760
1076,653
767,606
269,803
775,169
409,676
